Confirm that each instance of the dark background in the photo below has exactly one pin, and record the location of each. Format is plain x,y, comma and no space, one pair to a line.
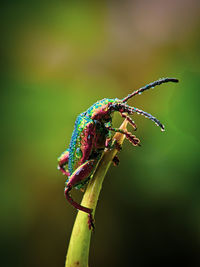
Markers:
58,58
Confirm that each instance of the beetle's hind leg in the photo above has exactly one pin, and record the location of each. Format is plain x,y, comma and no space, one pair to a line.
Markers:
79,207
78,177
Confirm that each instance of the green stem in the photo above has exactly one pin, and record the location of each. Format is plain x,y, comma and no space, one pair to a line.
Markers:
78,251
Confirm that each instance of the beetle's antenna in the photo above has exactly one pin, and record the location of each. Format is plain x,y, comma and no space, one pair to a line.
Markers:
148,86
147,115
124,108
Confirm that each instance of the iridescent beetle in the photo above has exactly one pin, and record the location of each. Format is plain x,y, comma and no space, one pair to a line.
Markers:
92,134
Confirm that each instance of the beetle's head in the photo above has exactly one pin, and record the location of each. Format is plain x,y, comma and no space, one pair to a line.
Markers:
102,110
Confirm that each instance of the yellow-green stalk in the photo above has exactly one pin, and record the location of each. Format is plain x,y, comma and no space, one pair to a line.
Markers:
78,250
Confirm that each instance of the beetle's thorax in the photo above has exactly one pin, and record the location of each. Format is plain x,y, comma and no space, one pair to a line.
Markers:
101,110
90,133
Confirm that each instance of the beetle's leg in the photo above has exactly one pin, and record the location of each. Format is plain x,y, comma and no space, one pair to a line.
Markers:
78,177
132,138
109,145
115,161
131,122
62,161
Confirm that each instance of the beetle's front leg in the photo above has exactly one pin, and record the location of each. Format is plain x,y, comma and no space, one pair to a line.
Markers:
79,176
130,121
132,138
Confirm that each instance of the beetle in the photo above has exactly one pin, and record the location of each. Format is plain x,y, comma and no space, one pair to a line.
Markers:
92,134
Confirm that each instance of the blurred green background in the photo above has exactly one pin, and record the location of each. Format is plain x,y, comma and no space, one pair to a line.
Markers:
57,59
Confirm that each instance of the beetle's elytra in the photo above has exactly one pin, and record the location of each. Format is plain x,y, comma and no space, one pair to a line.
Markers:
92,134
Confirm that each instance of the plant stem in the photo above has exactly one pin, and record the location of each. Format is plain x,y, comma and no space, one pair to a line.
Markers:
78,251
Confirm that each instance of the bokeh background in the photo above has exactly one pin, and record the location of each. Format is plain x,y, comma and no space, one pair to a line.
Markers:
57,59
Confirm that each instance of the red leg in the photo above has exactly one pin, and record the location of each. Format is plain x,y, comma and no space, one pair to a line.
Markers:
132,139
62,161
109,144
131,122
78,177
115,161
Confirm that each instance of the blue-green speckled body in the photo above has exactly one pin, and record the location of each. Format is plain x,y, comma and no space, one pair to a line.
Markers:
89,135
92,133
